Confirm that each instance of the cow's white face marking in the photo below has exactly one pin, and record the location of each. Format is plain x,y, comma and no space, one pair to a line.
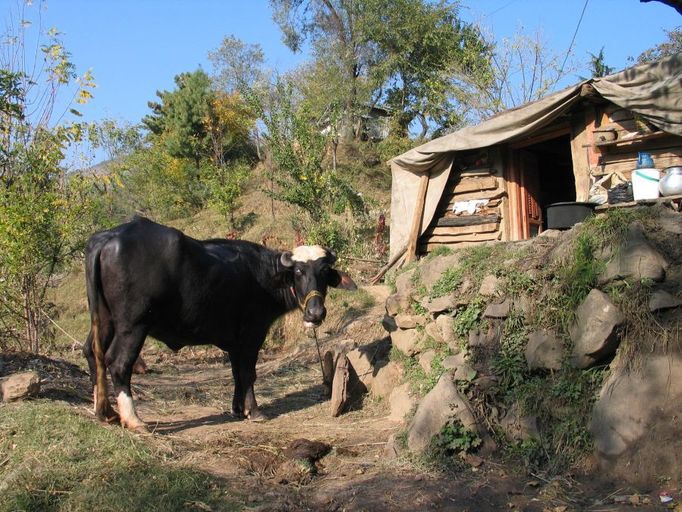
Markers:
126,411
305,253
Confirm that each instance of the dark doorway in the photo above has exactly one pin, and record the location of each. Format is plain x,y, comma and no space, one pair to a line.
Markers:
544,173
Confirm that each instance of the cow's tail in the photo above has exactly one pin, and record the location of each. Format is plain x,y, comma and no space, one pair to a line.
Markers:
96,302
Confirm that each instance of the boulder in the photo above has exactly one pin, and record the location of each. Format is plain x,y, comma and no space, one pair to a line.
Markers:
340,384
431,270
464,373
446,327
405,283
441,404
490,285
544,351
455,361
660,299
635,422
519,427
401,402
433,331
361,362
439,304
425,360
595,330
388,323
407,341
397,303
19,386
498,310
387,378
480,339
637,259
405,321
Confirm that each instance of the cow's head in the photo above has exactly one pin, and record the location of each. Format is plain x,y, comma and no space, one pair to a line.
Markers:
308,273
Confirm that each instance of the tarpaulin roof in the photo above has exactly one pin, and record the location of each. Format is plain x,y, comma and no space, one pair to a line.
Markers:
652,90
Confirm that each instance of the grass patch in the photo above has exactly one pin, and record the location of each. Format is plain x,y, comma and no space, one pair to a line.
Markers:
56,459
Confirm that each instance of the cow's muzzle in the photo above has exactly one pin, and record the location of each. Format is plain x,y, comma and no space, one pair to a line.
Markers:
313,309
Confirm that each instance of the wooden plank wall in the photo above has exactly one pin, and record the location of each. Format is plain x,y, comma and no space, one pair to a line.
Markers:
619,136
468,183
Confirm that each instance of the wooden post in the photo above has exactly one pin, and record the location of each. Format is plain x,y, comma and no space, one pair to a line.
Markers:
415,231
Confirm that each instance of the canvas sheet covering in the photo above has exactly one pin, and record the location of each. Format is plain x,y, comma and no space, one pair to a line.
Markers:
652,90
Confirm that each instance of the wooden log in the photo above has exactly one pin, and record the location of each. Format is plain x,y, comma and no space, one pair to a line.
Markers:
340,393
467,220
462,230
411,253
473,237
463,185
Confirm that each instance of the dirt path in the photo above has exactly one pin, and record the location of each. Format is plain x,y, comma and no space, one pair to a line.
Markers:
185,400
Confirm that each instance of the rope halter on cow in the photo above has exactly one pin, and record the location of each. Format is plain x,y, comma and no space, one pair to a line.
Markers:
311,294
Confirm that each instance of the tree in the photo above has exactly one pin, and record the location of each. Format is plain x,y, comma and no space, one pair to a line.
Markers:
426,60
179,118
331,27
237,64
416,58
41,217
665,49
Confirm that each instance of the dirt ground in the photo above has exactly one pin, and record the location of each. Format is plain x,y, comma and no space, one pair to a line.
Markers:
185,399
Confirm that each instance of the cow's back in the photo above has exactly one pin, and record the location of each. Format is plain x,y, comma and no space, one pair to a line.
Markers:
180,290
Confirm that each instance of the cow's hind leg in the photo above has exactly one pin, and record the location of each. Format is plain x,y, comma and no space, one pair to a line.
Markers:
238,397
120,359
94,352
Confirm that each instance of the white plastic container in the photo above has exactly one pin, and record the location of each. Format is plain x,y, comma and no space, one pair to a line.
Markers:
645,183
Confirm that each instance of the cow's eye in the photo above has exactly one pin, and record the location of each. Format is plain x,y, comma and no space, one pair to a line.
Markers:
298,271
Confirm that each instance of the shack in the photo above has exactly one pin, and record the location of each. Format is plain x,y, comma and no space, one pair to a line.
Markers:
494,181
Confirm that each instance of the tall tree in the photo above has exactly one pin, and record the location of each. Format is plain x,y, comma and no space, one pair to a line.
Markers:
179,118
237,64
426,61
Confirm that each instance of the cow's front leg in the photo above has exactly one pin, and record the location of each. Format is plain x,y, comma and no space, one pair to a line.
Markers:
124,352
238,397
247,374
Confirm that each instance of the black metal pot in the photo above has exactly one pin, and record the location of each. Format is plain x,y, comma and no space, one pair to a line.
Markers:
566,215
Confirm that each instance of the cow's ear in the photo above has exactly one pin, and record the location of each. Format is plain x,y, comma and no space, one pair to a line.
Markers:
339,279
285,259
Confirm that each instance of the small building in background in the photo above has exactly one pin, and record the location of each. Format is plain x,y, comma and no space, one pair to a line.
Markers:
494,181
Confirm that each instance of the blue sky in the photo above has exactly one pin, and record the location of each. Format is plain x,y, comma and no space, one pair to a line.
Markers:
136,47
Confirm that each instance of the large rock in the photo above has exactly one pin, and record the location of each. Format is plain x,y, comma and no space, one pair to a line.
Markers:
441,404
397,303
635,422
446,326
595,330
387,378
447,302
407,341
405,283
660,299
431,270
401,402
362,363
519,427
20,386
500,310
490,286
426,359
433,331
406,321
544,351
636,260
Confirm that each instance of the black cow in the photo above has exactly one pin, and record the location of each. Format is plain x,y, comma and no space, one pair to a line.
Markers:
147,279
